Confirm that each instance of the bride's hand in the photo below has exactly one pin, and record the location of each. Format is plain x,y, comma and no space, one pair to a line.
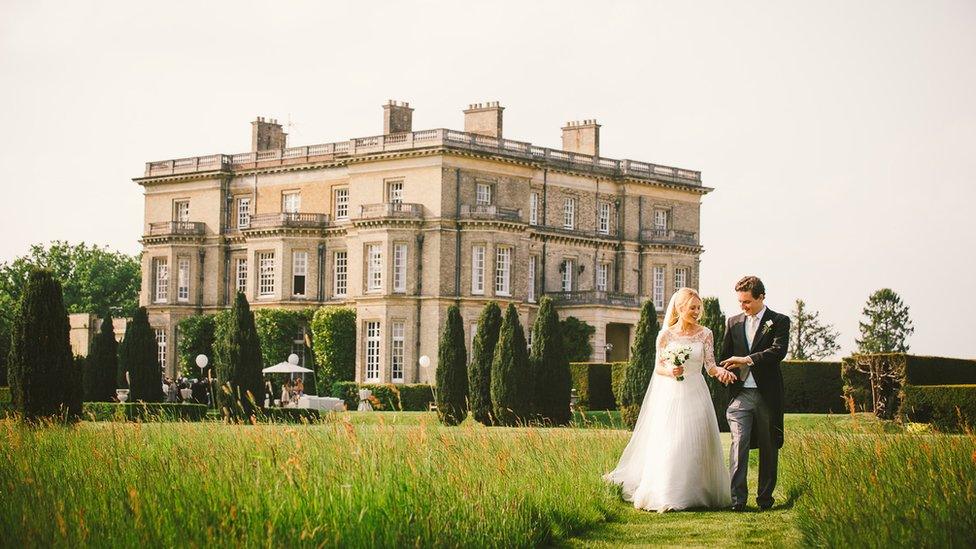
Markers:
677,371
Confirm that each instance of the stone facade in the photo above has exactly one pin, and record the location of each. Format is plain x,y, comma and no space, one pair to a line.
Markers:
438,214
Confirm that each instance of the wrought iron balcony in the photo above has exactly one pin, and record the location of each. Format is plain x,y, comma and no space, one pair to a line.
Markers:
669,236
391,209
594,297
490,212
288,220
167,228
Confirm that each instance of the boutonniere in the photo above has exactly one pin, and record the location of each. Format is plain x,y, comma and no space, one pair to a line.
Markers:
767,327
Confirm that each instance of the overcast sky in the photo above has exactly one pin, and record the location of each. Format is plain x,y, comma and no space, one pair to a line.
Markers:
840,137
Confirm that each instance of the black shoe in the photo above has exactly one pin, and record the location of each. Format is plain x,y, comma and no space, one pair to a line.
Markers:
765,506
738,507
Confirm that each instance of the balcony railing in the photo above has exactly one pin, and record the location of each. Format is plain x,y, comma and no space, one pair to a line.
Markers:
423,139
669,236
288,219
166,228
391,209
594,297
490,212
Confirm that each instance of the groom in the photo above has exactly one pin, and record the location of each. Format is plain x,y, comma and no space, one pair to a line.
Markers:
755,343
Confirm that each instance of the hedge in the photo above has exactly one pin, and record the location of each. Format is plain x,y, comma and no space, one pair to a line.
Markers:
6,405
812,387
592,381
618,377
288,415
893,371
949,408
143,411
387,396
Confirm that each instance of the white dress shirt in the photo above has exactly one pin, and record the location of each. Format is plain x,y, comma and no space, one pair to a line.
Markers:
752,327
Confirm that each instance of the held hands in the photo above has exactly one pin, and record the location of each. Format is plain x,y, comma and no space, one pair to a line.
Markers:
724,376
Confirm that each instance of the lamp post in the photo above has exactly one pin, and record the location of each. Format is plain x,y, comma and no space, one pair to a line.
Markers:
202,362
607,348
424,362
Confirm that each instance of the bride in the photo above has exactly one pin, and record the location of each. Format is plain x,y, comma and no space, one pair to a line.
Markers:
674,458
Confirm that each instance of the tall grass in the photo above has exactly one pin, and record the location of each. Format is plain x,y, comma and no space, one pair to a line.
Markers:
177,484
876,489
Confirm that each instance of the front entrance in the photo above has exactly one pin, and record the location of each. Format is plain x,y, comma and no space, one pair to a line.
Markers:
618,342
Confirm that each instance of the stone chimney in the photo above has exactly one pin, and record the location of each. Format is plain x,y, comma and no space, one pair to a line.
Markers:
582,137
484,119
267,135
397,117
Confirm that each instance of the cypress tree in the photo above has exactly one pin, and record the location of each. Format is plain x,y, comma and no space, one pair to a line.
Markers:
641,365
142,360
101,367
452,375
510,376
552,382
40,367
482,353
714,319
241,384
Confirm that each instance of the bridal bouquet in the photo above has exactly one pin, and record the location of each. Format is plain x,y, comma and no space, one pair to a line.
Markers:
677,355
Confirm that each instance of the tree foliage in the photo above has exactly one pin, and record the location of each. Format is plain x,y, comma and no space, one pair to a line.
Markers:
278,330
482,353
510,377
887,325
452,374
102,364
239,378
553,380
576,336
141,358
334,343
810,337
641,365
41,368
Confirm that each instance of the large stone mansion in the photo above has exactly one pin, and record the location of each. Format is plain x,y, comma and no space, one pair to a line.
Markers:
401,225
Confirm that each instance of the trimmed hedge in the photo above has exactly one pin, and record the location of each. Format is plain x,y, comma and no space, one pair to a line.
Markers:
812,387
893,371
618,378
592,381
288,415
390,397
949,408
143,411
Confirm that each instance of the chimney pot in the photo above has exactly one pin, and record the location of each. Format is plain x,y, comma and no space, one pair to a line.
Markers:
267,135
397,117
484,119
582,137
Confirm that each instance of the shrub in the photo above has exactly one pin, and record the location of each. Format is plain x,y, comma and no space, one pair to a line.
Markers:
592,381
949,408
878,379
618,378
510,389
334,343
452,371
102,365
196,338
416,397
552,384
812,387
142,360
482,353
40,364
287,415
641,364
576,336
143,411
239,379
5,405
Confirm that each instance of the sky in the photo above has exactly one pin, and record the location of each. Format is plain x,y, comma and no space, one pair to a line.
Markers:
840,137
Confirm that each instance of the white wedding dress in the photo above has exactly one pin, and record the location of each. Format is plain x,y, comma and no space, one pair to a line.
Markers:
674,458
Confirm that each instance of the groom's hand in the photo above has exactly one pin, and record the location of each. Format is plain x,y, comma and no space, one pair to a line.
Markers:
734,362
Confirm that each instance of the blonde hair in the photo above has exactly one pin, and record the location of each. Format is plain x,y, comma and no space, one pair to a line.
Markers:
679,300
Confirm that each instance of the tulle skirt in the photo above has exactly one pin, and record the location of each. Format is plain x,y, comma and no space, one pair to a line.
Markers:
674,458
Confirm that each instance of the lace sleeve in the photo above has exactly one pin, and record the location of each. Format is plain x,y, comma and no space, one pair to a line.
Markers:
664,337
709,352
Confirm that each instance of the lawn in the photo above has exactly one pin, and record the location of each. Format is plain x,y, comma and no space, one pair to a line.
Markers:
397,479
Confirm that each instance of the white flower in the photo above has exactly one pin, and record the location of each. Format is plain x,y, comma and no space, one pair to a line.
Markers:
768,326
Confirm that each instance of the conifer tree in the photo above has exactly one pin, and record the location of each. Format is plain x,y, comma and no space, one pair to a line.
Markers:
101,366
141,358
641,365
552,383
240,381
510,381
888,324
452,373
482,354
714,319
40,366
